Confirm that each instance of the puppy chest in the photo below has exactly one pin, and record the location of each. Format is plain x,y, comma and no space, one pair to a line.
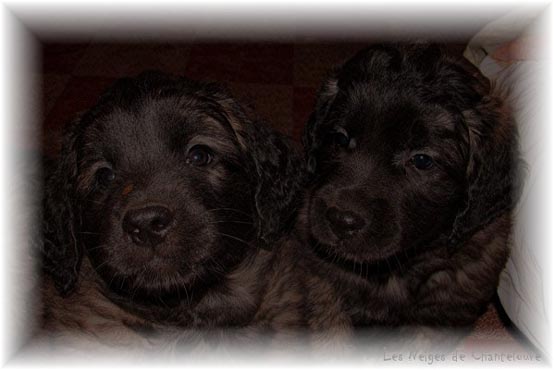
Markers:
380,302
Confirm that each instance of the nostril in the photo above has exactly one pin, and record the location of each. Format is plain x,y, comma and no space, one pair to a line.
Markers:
349,220
344,222
160,224
138,236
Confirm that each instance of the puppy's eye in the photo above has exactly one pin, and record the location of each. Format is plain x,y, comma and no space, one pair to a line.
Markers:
422,161
105,176
340,137
199,155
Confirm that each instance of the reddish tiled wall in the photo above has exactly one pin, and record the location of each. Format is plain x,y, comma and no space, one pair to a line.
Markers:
279,80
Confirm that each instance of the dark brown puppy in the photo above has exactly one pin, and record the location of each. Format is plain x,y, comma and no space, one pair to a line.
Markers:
159,210
413,166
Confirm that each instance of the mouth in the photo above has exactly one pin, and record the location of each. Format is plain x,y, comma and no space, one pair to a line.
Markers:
160,281
167,275
353,265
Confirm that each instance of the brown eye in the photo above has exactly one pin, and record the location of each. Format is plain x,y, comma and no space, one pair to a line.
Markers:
105,176
199,155
340,137
422,161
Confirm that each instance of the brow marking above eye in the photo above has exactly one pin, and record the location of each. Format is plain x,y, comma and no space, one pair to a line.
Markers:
216,142
236,124
127,189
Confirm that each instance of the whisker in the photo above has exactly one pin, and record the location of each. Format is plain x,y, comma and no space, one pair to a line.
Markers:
122,283
232,222
174,284
234,237
111,281
94,202
97,268
218,267
229,209
388,264
137,285
95,248
189,302
364,270
401,268
160,288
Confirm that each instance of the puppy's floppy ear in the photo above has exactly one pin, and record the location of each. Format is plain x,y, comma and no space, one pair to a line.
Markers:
62,254
493,178
277,169
280,171
311,139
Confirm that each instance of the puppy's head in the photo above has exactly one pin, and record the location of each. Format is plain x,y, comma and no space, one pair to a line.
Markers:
165,185
406,148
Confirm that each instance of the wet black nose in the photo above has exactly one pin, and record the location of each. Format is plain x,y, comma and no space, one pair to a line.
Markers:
344,223
148,225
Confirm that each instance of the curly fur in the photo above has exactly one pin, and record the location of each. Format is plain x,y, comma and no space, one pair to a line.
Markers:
208,272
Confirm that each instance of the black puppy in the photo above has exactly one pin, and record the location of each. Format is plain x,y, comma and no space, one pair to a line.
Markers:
413,162
159,210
